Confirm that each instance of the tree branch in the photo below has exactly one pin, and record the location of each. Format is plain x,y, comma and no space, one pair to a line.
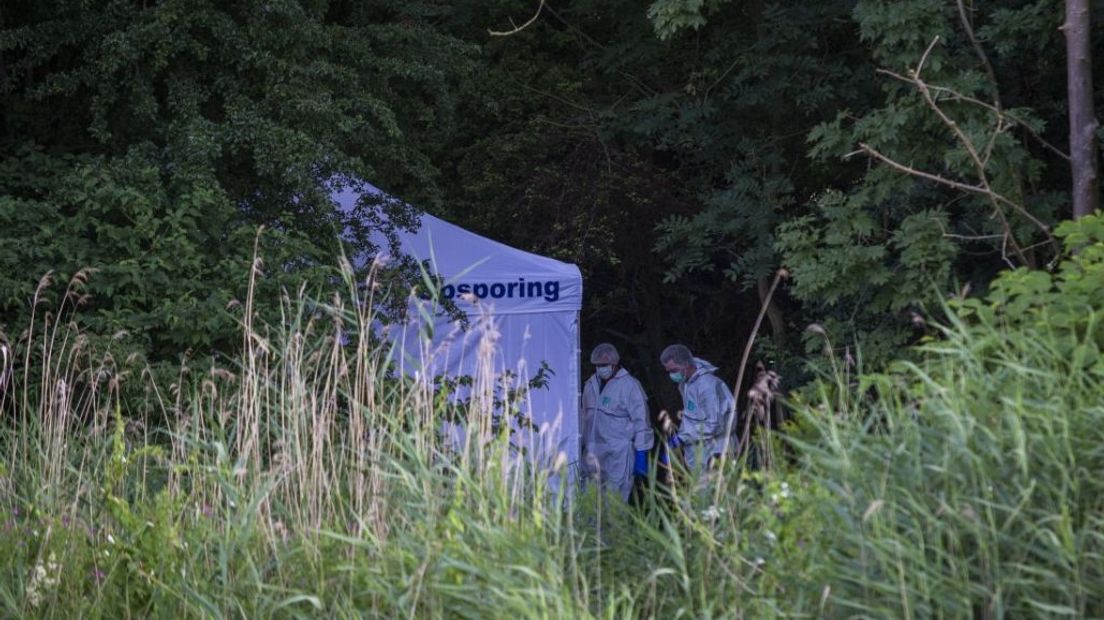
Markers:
969,28
968,144
980,162
778,277
517,29
1001,113
965,187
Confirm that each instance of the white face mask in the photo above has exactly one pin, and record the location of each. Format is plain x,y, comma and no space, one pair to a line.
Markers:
604,372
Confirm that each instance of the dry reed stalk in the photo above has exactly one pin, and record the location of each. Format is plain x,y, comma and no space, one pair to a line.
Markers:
253,350
761,398
362,394
28,337
780,275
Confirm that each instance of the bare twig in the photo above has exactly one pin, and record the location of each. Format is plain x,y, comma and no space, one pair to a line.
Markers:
1000,128
973,237
968,144
980,161
959,96
974,189
966,187
637,82
778,277
924,56
965,140
720,79
969,28
517,29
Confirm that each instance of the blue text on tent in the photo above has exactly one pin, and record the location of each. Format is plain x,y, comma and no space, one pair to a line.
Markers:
521,289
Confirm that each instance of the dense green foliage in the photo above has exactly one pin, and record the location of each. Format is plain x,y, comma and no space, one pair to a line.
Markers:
738,138
679,153
147,143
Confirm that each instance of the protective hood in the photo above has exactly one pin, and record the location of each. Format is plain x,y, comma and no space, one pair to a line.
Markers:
703,368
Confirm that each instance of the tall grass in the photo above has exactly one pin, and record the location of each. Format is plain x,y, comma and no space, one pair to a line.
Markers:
308,481
968,485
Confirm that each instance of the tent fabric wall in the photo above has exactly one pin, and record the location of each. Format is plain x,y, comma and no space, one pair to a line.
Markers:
524,304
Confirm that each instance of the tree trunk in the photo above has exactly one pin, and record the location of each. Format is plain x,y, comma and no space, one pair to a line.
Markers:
1082,117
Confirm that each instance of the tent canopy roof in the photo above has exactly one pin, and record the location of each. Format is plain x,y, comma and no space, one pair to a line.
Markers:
479,271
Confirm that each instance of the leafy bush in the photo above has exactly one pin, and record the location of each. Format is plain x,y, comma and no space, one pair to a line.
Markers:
964,488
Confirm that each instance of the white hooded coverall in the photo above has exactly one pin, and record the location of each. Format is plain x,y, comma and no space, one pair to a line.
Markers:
707,404
615,425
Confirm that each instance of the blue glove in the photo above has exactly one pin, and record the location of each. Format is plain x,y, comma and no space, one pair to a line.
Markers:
640,465
673,442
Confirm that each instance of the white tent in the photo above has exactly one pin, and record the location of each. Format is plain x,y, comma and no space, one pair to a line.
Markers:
524,305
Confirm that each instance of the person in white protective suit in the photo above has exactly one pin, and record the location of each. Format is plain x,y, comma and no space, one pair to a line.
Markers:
617,433
708,425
